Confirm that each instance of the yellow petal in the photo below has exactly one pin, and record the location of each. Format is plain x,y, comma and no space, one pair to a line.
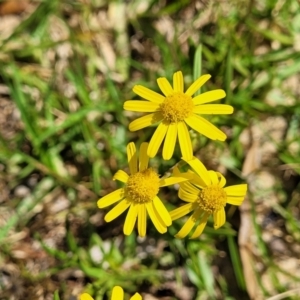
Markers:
145,121
188,187
200,169
212,109
222,180
197,181
142,220
181,211
185,142
117,210
157,139
188,197
148,94
144,158
162,211
200,227
141,106
236,190
159,225
219,218
121,176
130,219
86,296
165,86
213,177
209,97
111,198
182,175
174,180
170,141
235,200
197,85
206,128
178,82
117,293
176,171
187,227
132,158
136,296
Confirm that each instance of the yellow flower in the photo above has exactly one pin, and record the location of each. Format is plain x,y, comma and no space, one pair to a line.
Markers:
117,294
85,296
139,194
205,195
173,111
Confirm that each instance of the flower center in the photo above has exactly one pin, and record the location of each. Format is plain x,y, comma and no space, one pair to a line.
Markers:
142,186
212,198
177,107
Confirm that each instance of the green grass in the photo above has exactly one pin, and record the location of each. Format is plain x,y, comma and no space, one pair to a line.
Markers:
66,70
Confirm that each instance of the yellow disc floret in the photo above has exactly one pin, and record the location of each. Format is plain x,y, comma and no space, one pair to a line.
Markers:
212,198
142,186
176,107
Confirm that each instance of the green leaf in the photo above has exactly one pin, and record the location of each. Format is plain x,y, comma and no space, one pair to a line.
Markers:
270,34
56,295
71,120
236,262
197,66
206,273
93,272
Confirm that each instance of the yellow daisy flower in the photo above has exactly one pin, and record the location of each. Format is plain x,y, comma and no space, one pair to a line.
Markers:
174,111
139,194
117,294
86,296
205,195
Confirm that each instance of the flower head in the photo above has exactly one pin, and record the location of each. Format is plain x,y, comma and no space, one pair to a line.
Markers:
86,296
206,195
174,111
139,194
117,294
